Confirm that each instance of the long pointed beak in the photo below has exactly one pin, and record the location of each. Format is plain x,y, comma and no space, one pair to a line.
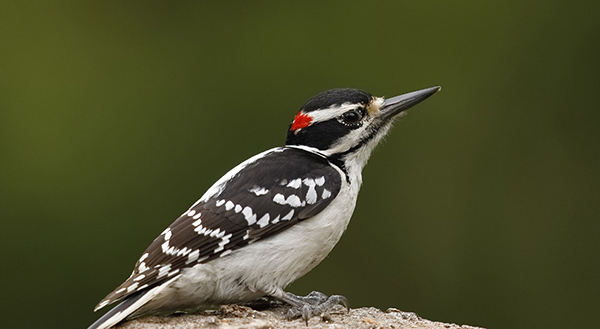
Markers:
393,106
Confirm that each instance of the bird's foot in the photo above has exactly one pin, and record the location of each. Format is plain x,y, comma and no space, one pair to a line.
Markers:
313,304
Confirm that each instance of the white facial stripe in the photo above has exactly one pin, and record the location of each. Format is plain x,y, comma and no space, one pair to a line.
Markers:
331,112
344,144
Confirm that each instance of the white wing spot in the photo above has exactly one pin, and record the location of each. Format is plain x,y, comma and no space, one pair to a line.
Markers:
289,215
276,220
198,222
139,277
251,220
294,201
224,241
196,216
225,253
165,247
199,228
264,220
320,181
168,235
229,205
220,202
171,250
309,182
142,287
193,256
279,198
326,194
249,215
142,268
144,256
163,271
191,213
247,212
238,208
296,183
311,195
215,232
184,251
132,287
258,191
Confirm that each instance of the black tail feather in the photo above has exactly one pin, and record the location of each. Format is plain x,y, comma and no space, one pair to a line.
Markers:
117,310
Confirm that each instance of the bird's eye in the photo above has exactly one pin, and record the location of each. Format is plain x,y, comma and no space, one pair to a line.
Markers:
352,118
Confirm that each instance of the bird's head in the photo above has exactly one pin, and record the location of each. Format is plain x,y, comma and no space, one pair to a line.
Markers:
348,123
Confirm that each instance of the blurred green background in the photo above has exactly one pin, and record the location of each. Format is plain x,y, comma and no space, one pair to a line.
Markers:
482,207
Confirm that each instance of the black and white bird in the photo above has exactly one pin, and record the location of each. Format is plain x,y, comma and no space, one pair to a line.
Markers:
269,220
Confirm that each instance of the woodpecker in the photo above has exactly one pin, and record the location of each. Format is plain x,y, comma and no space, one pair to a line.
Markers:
269,220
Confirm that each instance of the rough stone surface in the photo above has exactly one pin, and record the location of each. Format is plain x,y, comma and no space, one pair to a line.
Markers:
237,317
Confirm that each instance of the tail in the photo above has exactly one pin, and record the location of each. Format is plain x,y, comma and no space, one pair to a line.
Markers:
119,312
128,307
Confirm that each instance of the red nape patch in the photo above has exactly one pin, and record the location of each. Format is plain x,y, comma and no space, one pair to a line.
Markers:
301,120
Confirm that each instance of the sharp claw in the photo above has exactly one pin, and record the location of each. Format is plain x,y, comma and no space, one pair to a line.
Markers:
306,313
343,300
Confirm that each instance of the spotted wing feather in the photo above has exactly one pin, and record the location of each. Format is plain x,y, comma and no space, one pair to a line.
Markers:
264,198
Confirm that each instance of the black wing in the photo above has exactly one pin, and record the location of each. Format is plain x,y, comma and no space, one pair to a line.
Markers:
267,196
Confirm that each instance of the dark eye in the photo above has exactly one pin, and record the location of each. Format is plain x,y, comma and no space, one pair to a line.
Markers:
351,118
